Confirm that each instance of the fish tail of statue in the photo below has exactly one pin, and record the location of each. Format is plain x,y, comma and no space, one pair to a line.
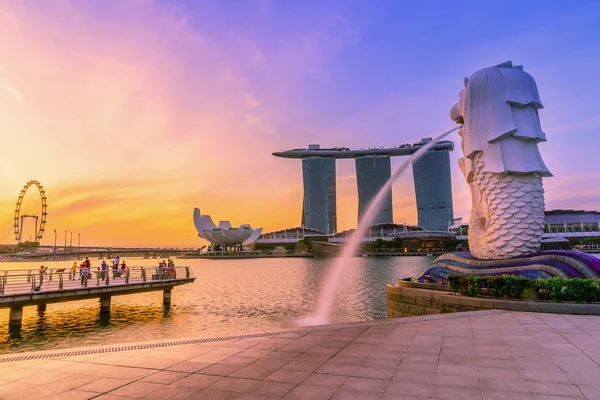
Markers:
507,215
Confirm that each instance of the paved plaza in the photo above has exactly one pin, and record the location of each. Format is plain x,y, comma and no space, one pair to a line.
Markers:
492,355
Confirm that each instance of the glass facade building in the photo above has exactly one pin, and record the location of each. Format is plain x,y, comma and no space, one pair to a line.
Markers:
319,205
373,169
372,173
433,190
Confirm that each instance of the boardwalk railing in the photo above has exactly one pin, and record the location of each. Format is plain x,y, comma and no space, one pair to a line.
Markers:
18,281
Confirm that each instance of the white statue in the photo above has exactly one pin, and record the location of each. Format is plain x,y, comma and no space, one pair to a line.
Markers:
502,164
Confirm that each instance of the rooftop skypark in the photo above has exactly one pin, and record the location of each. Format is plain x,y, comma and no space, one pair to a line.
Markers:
344,152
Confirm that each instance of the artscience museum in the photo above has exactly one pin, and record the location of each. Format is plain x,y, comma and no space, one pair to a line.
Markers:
224,234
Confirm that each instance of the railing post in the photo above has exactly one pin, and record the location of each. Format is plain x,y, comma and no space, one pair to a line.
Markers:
187,272
60,281
143,275
127,276
29,276
107,282
32,278
85,278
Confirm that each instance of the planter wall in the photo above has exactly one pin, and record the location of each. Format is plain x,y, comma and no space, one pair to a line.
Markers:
407,299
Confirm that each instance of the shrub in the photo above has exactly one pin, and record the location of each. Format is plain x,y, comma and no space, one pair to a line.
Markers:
506,286
556,289
494,285
515,285
461,285
453,282
541,287
582,290
474,285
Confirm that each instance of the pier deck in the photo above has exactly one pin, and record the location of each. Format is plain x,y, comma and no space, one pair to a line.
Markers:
22,288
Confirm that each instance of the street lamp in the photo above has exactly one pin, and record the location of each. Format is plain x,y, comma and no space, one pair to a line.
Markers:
65,244
55,243
79,246
71,244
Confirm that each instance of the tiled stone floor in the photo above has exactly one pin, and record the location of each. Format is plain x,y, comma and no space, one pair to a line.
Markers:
479,355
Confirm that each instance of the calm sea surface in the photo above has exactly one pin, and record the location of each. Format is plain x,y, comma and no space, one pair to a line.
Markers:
228,297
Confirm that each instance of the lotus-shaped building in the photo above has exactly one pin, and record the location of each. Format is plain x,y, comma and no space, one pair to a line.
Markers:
224,234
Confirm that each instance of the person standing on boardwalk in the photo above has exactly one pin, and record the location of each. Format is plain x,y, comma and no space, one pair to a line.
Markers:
116,266
104,270
74,270
42,274
84,274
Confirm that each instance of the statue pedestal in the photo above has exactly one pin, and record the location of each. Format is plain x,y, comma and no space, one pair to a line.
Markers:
546,264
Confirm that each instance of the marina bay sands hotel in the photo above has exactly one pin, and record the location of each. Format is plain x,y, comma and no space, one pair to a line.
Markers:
431,174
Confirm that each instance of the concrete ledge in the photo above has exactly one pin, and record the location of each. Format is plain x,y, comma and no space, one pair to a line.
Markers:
585,309
425,299
418,285
511,305
556,308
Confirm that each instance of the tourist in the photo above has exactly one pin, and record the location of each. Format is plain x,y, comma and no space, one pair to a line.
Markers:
104,267
42,273
115,267
73,273
171,268
85,271
98,275
88,263
162,269
123,268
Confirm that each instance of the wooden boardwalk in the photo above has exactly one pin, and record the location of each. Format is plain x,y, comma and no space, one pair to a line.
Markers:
22,288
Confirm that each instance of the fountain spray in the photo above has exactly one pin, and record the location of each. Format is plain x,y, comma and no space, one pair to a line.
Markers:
334,275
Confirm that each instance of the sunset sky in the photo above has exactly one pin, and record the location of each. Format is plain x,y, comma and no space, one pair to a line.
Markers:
133,112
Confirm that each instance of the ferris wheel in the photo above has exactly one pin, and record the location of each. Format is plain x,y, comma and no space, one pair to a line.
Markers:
18,221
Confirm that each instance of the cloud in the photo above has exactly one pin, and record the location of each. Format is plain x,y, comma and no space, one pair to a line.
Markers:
132,113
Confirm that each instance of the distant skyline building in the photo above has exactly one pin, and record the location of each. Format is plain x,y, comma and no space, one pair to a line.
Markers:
319,204
372,173
373,169
433,190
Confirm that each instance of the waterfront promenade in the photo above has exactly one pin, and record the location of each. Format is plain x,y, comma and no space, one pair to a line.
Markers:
489,355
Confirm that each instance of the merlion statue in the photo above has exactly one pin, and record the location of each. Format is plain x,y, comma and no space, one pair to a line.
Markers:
498,108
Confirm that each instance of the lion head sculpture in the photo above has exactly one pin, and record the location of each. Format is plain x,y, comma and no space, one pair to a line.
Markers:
499,110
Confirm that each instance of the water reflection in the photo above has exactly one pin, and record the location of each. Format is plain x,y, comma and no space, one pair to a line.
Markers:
228,297
80,326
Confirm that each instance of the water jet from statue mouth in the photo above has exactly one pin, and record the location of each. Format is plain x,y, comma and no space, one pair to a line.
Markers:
335,272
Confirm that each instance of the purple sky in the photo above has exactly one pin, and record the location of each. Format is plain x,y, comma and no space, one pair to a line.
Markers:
141,110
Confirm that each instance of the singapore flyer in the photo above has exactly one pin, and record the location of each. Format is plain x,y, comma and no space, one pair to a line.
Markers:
18,220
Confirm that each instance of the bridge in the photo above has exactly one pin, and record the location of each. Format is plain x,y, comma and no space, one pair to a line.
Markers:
31,288
46,251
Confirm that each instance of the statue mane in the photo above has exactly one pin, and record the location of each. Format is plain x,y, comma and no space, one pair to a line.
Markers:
499,109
